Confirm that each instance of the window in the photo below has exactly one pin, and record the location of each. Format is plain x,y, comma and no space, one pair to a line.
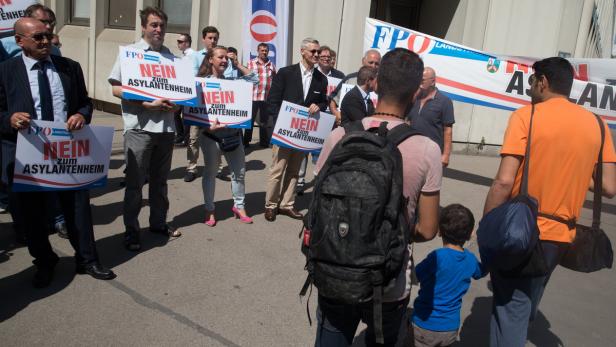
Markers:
79,12
178,12
121,14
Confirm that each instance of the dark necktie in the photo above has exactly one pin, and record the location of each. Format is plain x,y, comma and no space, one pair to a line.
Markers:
370,106
44,92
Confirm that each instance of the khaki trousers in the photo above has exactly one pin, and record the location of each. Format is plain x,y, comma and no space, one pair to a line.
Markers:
192,151
283,177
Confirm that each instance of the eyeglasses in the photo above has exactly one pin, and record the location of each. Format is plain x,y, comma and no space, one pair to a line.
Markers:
39,37
49,22
325,57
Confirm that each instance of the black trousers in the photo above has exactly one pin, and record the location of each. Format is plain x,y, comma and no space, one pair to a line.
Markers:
180,130
30,207
259,107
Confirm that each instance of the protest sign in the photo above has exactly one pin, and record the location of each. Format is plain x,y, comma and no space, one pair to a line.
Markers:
228,101
151,75
11,11
50,158
297,129
332,83
469,75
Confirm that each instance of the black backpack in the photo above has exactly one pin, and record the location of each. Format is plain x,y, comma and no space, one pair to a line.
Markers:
356,231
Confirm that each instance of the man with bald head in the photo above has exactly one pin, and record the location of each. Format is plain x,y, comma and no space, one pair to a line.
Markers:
9,47
372,58
432,114
38,86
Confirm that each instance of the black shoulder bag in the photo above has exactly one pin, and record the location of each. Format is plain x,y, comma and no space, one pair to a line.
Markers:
591,249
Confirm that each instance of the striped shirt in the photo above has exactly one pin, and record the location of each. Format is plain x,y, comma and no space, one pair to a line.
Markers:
265,72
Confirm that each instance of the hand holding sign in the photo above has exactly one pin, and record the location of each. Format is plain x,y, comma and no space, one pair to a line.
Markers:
299,129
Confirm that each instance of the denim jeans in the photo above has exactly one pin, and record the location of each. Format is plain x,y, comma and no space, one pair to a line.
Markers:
338,322
516,300
236,161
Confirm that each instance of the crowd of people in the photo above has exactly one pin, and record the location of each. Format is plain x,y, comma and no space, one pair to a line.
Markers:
37,83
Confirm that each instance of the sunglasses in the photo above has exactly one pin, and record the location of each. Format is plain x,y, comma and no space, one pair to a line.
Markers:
38,37
313,51
182,41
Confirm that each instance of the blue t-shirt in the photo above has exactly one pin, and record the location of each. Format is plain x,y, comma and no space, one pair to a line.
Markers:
444,277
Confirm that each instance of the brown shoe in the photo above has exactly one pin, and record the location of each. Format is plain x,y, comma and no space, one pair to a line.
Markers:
270,214
291,212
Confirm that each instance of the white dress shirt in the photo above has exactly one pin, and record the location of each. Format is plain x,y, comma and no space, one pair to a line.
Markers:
306,78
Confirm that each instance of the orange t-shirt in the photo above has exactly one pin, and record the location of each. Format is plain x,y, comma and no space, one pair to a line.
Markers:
564,150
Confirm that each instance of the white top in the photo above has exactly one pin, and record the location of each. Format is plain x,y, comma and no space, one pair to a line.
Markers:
188,51
306,77
55,84
136,116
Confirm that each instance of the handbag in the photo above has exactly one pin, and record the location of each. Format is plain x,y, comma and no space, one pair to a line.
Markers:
591,249
508,236
226,143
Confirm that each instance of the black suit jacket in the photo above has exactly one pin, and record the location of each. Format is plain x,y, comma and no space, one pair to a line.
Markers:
353,106
337,73
287,86
15,94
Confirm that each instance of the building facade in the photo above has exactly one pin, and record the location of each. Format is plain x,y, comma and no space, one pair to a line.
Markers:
92,31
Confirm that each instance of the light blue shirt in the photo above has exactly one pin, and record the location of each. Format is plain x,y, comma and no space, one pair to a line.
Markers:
10,49
55,84
198,59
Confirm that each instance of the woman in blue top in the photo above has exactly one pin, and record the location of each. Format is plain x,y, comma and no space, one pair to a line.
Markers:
444,277
213,66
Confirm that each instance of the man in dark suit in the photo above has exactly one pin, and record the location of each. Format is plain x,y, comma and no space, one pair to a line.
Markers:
37,86
357,103
326,63
304,85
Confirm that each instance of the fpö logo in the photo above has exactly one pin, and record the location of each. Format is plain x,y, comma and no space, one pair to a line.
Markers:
54,132
263,26
389,38
143,56
297,111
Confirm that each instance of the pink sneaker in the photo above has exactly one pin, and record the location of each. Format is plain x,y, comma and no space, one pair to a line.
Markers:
238,214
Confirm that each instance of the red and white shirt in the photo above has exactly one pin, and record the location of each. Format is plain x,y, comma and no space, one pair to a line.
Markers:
266,73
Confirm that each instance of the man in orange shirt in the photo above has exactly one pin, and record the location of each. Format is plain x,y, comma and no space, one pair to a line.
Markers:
564,150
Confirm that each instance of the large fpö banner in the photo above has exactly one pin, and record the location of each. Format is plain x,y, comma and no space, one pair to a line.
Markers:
485,79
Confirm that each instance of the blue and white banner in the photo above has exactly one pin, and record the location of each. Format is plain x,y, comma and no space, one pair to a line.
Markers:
49,157
267,22
469,75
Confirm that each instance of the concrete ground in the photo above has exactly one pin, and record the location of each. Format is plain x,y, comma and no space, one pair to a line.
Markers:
237,285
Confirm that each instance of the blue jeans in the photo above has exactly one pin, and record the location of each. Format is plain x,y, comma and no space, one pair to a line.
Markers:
516,300
236,161
338,322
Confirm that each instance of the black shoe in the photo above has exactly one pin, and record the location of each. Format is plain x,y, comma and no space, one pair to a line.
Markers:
44,274
95,270
61,230
190,176
300,188
221,176
131,241
167,231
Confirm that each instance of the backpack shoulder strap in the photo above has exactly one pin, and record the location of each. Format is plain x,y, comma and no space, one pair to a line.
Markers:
400,133
353,126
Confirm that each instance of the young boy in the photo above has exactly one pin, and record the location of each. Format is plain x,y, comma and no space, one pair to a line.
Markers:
444,277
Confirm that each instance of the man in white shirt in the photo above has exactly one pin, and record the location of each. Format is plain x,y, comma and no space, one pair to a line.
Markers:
148,140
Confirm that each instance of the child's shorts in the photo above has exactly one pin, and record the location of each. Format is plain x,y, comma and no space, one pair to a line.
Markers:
429,338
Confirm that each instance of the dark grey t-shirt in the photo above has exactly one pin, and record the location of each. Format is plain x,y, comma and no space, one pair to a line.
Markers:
432,117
